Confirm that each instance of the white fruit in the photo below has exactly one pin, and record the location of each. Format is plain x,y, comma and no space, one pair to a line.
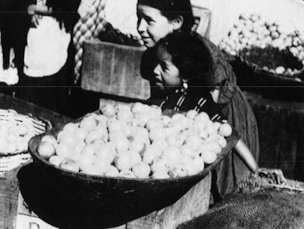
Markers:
88,123
194,141
106,153
160,174
108,110
93,170
46,149
149,156
187,150
71,127
127,174
123,161
157,134
225,130
153,124
179,171
121,144
173,140
56,160
69,164
137,146
214,146
191,114
51,139
141,170
64,150
208,157
85,161
111,171
89,149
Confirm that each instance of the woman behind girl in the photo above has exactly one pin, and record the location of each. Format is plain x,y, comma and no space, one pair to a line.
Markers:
157,19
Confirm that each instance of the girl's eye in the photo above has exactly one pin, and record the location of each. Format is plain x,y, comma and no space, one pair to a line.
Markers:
164,66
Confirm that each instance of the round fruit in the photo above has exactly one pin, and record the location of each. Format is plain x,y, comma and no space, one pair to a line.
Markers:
225,130
46,149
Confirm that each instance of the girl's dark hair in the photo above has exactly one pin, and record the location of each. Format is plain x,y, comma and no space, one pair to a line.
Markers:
190,56
172,9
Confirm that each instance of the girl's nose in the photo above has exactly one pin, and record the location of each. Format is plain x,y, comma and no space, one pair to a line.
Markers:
141,25
157,72
157,69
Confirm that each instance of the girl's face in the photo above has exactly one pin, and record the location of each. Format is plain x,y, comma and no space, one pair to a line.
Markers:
152,25
166,74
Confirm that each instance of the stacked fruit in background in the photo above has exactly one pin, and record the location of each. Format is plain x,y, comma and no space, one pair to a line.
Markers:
268,40
137,141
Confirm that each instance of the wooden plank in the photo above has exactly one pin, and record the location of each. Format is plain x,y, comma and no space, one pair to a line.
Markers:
9,190
194,203
113,69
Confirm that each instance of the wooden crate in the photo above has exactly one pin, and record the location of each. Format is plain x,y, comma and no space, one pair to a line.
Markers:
193,204
113,69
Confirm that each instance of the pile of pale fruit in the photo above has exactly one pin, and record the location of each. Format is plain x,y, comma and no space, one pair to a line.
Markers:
252,31
137,141
15,132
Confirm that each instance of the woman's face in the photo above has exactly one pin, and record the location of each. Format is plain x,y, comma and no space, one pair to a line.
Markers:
166,74
152,25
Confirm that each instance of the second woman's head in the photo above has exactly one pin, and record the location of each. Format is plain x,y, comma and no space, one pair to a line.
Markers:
158,18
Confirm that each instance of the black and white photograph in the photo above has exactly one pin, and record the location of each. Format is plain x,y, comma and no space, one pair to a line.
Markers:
151,114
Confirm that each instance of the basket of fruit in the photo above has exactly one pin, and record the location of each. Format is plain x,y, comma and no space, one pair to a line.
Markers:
272,72
15,132
266,59
125,161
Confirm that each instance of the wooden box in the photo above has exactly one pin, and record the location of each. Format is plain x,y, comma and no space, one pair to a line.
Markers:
113,69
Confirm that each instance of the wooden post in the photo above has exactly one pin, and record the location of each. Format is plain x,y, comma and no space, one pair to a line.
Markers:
9,190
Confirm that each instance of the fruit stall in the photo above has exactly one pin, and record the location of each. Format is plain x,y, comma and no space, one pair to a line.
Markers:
128,164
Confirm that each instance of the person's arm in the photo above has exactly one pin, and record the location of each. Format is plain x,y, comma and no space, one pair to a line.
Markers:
36,11
245,154
39,9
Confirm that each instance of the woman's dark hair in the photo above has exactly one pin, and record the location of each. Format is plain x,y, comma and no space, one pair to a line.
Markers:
172,9
190,56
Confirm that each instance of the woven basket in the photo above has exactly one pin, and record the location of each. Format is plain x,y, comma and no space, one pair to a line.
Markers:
15,156
88,201
252,76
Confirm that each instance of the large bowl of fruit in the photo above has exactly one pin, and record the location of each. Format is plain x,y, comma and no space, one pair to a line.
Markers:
125,161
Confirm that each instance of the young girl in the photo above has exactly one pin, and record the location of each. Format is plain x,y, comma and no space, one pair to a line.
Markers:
158,18
181,76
